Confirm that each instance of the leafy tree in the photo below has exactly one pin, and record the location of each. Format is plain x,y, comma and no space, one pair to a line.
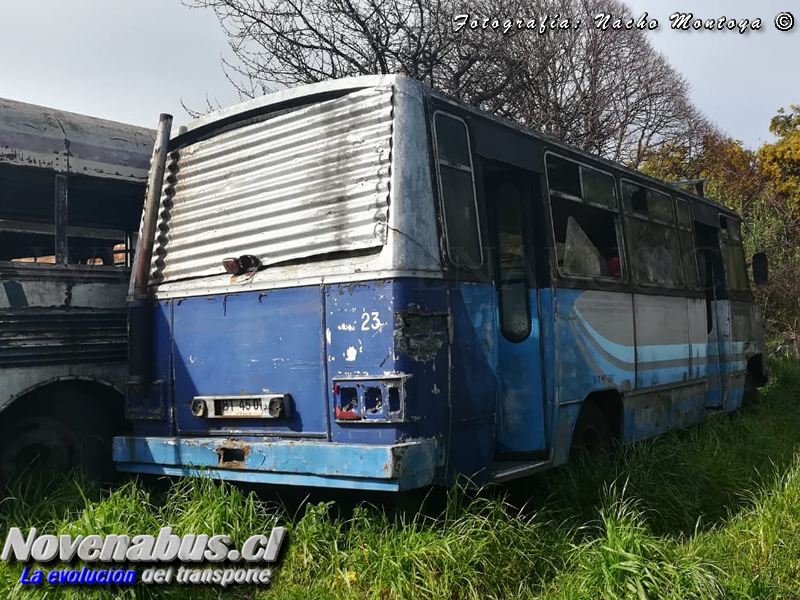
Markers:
608,92
764,186
781,159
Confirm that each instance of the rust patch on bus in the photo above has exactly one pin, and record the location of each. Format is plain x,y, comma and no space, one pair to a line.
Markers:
419,335
233,454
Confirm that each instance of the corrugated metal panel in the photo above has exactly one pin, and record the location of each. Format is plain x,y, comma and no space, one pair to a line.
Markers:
66,142
305,183
55,336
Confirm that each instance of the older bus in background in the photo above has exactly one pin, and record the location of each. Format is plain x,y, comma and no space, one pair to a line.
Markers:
71,193
365,284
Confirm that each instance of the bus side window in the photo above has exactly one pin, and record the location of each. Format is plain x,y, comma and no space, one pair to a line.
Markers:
515,318
585,219
688,253
655,252
733,254
457,191
27,247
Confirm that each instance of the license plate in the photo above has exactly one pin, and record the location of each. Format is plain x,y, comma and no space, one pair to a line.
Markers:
239,407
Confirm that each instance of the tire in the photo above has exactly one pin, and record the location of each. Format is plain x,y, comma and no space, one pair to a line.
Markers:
63,431
592,434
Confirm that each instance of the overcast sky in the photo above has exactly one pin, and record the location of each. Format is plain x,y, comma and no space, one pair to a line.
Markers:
129,60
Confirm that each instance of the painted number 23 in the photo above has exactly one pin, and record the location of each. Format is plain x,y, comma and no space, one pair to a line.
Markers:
371,320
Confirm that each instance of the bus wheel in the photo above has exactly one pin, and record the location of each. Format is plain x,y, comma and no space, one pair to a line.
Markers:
592,433
56,438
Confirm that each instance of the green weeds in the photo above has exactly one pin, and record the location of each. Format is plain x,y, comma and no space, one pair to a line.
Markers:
709,512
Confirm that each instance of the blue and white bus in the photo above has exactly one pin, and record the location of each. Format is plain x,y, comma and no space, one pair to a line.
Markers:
365,284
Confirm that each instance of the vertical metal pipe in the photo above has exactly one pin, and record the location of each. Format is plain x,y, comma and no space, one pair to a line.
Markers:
155,181
61,219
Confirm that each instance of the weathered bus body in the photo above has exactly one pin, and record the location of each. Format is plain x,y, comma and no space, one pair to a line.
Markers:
365,284
72,192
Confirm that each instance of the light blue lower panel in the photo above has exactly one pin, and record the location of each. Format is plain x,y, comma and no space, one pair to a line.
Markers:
394,467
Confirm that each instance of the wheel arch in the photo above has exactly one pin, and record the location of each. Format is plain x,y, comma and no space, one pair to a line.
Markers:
758,369
107,396
609,402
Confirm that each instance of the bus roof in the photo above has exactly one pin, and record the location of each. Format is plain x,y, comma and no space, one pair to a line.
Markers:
320,91
65,142
575,150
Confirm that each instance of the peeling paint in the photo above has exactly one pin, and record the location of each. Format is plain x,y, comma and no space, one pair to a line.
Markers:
419,336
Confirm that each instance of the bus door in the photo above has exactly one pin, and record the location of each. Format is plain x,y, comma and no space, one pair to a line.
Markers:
520,410
712,276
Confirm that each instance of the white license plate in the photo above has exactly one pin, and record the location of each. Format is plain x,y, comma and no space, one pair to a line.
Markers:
239,407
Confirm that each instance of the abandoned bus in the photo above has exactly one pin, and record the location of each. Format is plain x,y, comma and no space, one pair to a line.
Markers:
72,194
365,284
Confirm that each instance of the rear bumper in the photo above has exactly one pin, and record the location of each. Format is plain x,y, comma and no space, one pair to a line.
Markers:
395,467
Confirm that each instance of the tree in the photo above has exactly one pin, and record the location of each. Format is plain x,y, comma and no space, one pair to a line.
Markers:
608,92
781,159
764,186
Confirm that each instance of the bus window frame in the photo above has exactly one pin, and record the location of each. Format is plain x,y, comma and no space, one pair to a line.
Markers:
690,229
527,201
736,294
437,161
683,289
595,282
73,232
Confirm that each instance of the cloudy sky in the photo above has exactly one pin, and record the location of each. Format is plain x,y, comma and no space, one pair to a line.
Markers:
129,60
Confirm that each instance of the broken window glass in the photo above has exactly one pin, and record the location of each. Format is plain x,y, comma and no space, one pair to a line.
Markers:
655,252
585,220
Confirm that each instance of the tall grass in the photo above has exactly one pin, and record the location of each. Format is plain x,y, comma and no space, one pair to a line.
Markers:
709,512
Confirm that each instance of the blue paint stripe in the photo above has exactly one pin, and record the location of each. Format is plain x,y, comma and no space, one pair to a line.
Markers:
621,352
600,362
730,347
647,353
269,478
648,377
658,353
727,367
412,463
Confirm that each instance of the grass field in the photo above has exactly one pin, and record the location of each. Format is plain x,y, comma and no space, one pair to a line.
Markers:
708,512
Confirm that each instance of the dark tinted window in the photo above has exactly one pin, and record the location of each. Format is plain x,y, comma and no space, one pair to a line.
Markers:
655,253
451,140
688,251
457,191
513,290
735,267
598,188
684,220
656,256
563,176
